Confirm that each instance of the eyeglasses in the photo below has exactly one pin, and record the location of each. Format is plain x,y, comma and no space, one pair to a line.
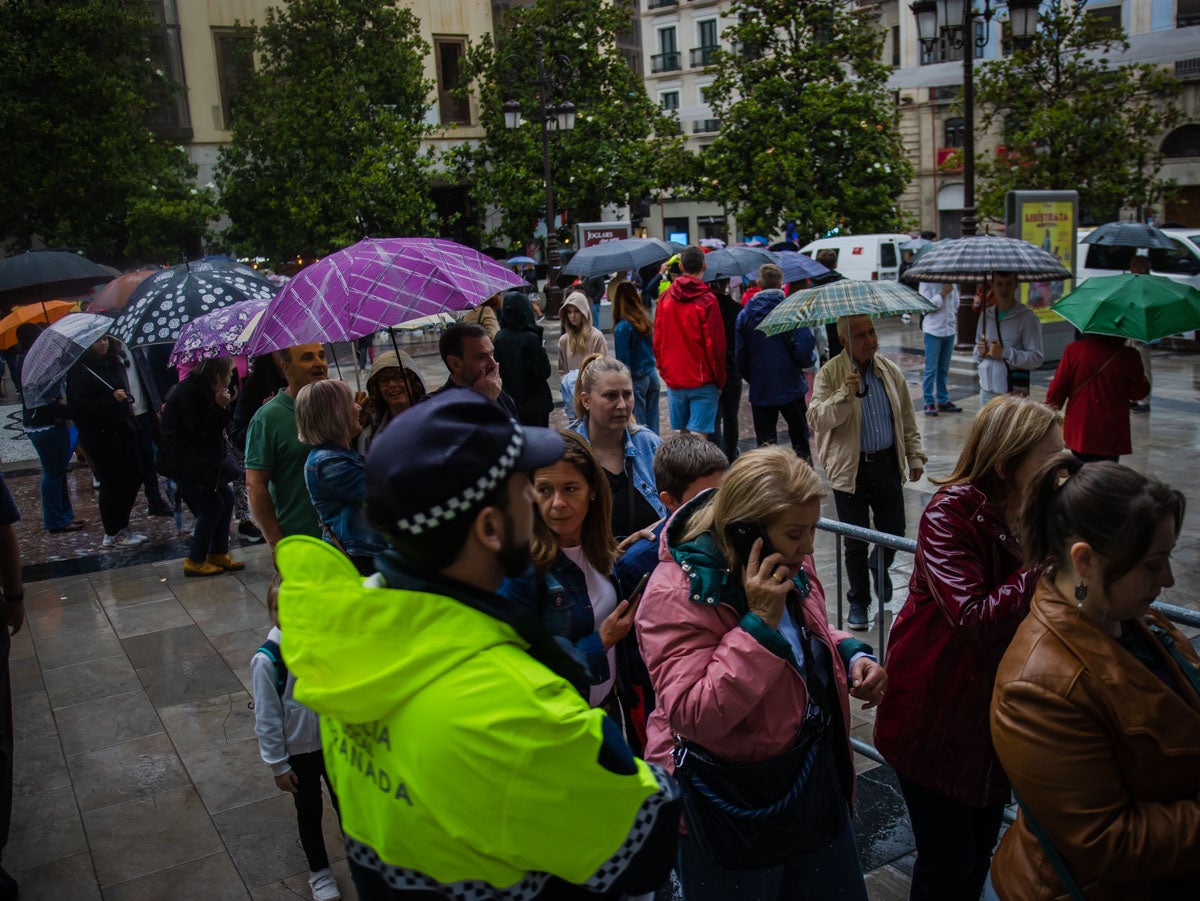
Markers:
392,378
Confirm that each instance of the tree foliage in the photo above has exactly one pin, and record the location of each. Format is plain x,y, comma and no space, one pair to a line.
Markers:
1071,119
622,145
81,167
326,133
808,129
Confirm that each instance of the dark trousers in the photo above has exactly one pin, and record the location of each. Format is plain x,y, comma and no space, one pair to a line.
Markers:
113,456
6,739
213,510
954,844
143,427
725,432
832,873
879,491
766,423
54,447
310,770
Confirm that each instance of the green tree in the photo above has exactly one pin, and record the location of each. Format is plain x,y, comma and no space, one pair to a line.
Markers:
622,146
1071,119
326,134
808,128
81,167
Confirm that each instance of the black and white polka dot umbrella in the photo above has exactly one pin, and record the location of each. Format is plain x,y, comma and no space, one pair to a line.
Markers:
169,299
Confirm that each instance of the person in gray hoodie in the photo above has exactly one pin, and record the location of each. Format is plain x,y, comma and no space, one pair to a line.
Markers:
289,742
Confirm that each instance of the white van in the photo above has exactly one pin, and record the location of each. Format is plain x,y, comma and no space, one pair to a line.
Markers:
863,258
1180,264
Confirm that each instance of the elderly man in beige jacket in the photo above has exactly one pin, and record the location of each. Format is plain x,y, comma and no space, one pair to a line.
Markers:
867,439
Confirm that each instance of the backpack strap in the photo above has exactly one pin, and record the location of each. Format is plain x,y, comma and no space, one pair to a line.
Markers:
271,649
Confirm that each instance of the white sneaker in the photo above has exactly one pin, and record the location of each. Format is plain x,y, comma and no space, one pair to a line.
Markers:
324,886
121,540
136,536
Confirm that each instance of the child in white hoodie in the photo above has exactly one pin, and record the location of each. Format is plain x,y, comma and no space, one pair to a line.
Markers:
289,740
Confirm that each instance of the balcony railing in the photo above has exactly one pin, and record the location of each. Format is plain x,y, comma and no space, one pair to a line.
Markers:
706,126
661,4
703,56
665,62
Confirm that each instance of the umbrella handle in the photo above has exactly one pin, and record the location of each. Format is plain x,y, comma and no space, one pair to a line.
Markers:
863,376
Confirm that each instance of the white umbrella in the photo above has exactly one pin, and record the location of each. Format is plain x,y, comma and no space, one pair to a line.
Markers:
56,350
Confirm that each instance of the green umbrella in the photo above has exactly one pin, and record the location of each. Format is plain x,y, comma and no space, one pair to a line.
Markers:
1143,307
816,306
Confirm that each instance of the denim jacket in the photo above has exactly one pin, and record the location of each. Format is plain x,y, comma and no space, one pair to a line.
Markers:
633,349
640,446
335,477
560,598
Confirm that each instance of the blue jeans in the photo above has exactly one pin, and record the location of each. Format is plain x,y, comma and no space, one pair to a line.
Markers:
645,399
937,366
54,447
832,873
694,409
213,511
985,396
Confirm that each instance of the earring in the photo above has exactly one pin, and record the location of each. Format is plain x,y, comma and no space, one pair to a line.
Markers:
1081,592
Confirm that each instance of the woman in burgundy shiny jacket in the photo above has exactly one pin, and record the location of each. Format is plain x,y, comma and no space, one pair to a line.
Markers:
967,595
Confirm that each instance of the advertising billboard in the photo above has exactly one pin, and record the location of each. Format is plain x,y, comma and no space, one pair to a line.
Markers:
1047,219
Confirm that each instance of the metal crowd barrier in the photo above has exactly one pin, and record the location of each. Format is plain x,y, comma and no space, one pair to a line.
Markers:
1181,615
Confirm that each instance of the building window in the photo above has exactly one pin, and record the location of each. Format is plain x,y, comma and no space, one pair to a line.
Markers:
956,129
235,64
170,118
1112,15
670,101
1187,13
667,58
705,54
453,109
896,46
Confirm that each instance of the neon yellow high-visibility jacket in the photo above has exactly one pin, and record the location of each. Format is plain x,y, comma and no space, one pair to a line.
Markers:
462,764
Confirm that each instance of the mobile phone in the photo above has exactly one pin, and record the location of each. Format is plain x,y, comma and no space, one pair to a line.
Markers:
742,535
636,594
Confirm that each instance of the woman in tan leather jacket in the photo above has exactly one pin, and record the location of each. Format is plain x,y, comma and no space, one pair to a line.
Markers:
1096,711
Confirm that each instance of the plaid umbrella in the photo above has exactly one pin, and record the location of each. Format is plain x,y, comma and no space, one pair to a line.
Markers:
376,284
1129,234
977,258
732,261
622,255
817,306
1145,307
170,298
797,266
220,333
55,351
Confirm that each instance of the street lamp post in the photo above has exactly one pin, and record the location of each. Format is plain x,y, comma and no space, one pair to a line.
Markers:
956,19
554,115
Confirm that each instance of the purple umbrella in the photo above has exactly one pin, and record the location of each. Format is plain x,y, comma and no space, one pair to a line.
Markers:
375,284
221,333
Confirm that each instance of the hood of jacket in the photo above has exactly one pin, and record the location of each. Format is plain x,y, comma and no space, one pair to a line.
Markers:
578,300
763,302
517,314
349,640
689,289
391,359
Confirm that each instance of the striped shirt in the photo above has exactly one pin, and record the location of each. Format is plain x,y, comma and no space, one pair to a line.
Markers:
878,432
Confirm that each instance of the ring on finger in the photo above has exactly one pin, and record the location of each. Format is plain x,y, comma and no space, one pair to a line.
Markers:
777,577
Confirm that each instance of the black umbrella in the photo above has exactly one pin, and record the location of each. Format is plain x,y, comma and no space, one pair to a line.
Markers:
161,305
1129,234
50,271
622,255
734,261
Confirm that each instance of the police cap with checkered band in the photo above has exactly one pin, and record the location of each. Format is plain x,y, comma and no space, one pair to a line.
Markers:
444,457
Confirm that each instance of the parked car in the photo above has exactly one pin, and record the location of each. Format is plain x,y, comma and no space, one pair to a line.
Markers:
1180,264
863,257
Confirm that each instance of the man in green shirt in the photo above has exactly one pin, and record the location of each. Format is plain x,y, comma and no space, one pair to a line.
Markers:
275,457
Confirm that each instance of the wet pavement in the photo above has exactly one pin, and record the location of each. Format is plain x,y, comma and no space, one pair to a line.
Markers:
137,771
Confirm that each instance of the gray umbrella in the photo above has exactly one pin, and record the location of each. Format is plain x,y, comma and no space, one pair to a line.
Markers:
622,255
54,270
733,261
1129,234
977,258
55,351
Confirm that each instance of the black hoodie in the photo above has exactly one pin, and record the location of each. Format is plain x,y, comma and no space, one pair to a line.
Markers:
524,364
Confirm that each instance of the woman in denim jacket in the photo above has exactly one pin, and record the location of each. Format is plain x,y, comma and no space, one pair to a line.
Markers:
328,418
625,450
571,587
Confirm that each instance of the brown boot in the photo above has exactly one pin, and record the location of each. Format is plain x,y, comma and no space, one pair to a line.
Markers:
192,568
226,563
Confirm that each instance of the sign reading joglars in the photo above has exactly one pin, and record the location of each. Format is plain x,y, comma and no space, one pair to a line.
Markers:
593,233
1047,219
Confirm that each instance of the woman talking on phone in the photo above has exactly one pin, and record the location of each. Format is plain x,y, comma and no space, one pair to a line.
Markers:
752,688
571,585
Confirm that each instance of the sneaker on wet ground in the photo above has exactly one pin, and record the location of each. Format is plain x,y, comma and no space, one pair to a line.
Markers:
930,410
124,538
950,407
324,886
857,620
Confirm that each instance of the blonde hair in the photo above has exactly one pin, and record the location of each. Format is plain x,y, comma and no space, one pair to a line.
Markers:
1004,431
593,367
761,485
577,338
325,413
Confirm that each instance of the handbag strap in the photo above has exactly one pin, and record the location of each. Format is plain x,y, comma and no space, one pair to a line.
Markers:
1056,861
1092,377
